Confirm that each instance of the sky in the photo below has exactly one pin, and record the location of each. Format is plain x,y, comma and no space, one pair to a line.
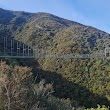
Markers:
94,13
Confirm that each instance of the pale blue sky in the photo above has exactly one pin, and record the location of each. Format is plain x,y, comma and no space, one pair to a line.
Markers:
95,13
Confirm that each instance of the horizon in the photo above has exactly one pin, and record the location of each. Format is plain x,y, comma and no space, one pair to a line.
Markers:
87,13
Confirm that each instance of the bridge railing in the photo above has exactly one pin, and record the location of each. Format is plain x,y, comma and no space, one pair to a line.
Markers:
13,48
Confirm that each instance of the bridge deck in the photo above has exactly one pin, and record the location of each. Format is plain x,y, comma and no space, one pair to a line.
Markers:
24,57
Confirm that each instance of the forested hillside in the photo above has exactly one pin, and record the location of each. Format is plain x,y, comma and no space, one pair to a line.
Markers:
83,81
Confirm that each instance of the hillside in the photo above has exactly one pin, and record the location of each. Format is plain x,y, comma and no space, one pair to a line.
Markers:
84,81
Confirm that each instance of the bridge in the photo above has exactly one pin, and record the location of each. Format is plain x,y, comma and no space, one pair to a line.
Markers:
11,48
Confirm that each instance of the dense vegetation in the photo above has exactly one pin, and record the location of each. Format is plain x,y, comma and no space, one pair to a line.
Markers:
18,90
85,82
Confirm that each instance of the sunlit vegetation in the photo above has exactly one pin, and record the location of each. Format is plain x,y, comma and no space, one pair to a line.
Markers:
19,91
84,82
